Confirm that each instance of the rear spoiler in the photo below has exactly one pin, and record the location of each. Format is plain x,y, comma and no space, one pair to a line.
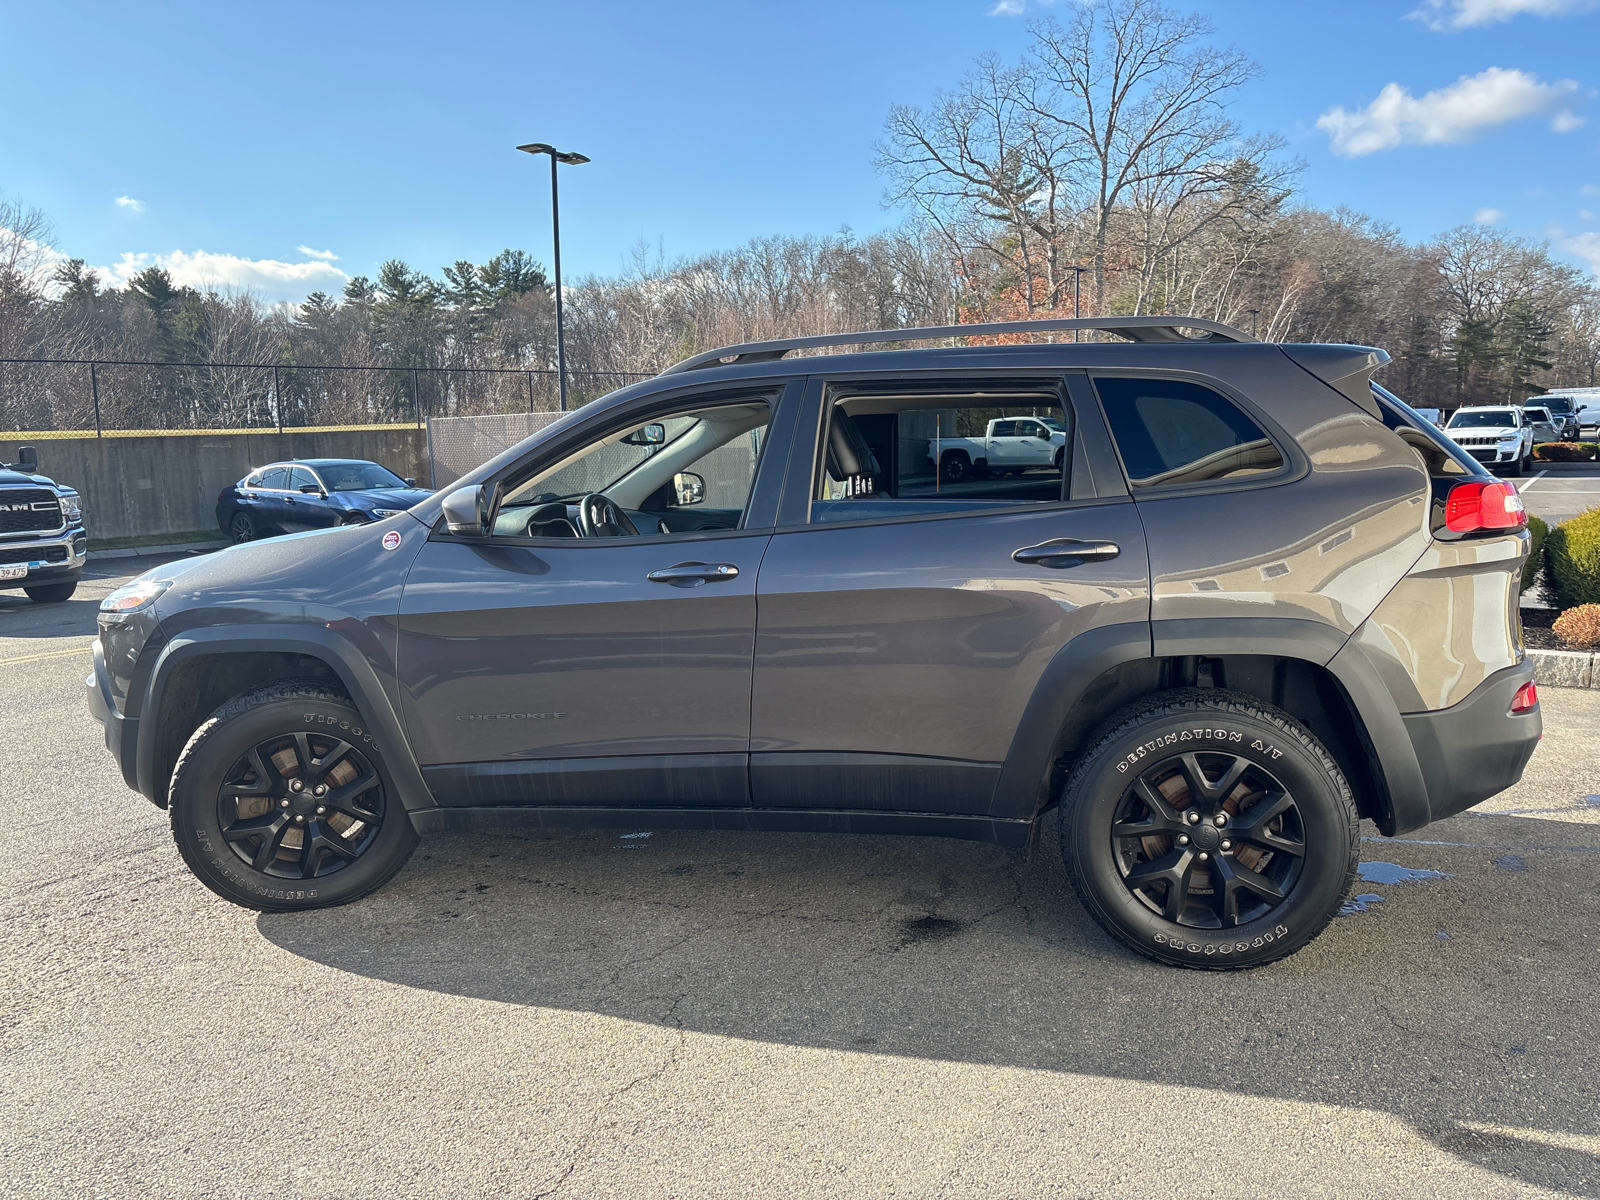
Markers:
1348,370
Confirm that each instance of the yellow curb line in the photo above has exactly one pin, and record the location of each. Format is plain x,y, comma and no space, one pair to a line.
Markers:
41,657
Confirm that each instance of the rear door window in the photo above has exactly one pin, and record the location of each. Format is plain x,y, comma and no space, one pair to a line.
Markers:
274,479
1172,432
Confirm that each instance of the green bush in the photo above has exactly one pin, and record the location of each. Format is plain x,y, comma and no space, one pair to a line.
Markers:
1572,555
1538,531
1564,451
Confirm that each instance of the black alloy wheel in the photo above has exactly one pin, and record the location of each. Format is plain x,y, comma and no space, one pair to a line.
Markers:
241,529
954,468
357,518
300,806
1208,840
1206,828
281,801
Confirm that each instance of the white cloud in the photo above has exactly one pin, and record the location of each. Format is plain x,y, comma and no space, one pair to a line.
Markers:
1009,8
203,269
1585,246
1589,189
1457,113
1486,216
1566,121
1448,15
130,202
328,255
1585,215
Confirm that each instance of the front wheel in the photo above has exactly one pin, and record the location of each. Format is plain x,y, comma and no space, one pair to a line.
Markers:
281,801
51,593
1205,828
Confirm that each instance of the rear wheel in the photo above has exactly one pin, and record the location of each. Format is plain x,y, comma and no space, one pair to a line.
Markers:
1205,828
955,467
281,801
241,528
51,593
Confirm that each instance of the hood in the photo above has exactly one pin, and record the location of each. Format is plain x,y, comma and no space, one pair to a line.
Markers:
15,477
1484,431
386,497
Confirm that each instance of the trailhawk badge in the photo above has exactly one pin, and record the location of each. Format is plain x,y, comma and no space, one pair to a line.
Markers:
391,540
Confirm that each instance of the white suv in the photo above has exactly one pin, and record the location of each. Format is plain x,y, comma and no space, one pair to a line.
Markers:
1494,436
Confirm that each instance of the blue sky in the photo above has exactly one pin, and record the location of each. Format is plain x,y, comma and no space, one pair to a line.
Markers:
231,142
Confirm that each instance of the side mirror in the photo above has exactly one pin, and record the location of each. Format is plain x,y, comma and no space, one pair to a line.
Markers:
647,435
311,489
688,488
466,512
411,483
28,460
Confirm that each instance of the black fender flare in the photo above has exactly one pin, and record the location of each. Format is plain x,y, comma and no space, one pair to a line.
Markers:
1079,667
353,669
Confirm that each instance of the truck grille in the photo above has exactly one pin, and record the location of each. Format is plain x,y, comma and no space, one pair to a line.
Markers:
28,510
1476,441
24,554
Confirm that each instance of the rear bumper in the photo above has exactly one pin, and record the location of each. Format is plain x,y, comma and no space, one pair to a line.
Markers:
1477,748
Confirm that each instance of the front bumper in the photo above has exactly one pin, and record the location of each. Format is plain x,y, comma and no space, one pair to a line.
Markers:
54,559
1477,748
121,732
1490,455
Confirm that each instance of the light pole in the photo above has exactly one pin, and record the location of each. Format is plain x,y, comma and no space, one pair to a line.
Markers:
1254,313
1077,280
572,160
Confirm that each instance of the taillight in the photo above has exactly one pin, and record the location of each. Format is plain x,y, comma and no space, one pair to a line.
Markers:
1526,699
1480,505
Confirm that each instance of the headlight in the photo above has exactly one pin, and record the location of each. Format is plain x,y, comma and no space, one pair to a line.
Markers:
71,508
131,597
387,512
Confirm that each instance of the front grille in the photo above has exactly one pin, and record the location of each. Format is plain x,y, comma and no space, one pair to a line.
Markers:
28,510
22,554
1476,441
1485,456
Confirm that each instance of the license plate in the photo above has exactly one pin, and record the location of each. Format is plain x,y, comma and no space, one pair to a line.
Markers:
13,572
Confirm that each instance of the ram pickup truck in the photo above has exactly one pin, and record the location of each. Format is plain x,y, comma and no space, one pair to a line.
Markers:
43,545
1009,446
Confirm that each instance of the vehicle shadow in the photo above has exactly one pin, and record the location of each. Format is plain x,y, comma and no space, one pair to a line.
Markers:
1455,1005
21,617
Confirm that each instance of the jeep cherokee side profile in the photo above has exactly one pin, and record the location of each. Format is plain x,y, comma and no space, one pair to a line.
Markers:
1258,600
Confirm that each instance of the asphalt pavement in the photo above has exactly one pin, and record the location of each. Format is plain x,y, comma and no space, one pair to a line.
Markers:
1559,491
680,1014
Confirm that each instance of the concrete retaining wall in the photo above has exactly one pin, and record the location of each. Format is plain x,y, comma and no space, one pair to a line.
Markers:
168,483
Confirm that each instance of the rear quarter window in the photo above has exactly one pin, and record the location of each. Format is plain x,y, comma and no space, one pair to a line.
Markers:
1172,432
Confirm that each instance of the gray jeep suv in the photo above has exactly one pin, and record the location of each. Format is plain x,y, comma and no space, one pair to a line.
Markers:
1255,600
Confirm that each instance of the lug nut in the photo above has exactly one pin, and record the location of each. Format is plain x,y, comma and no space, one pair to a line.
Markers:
299,820
320,810
283,804
1226,844
1222,819
1183,839
1194,818
295,785
320,790
1204,857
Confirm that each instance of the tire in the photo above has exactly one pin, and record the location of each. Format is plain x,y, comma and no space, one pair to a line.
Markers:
241,528
356,518
1061,452
1515,468
1160,741
51,593
954,467
240,840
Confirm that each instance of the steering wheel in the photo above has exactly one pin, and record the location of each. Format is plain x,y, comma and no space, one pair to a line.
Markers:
599,517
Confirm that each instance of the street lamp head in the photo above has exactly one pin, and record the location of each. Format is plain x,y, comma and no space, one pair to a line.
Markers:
571,158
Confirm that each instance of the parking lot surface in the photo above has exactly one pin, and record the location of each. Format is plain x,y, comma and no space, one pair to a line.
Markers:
1560,491
685,1014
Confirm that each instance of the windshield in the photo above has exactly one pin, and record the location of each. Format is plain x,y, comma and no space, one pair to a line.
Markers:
1537,414
358,477
1481,418
1054,424
598,470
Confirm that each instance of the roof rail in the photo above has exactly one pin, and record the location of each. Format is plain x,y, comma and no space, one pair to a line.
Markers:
1134,329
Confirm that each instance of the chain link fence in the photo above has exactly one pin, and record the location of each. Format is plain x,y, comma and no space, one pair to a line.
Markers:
106,398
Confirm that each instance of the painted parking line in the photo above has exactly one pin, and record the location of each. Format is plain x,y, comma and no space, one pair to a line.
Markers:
1525,486
27,658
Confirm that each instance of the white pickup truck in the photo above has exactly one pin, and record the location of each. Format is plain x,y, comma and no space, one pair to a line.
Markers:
1011,446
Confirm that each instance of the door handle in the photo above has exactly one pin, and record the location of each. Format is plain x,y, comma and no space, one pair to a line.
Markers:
1067,552
693,574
